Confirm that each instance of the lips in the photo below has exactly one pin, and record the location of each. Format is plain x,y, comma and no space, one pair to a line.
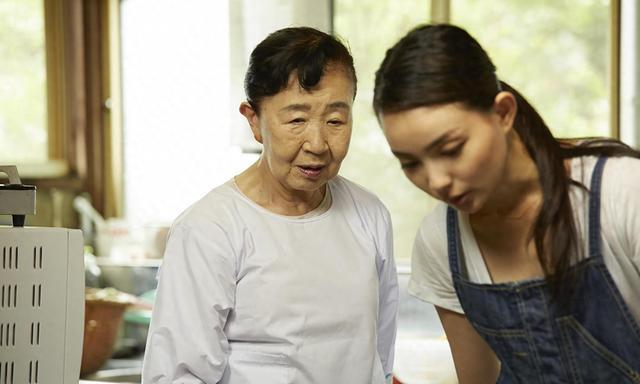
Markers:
311,170
459,199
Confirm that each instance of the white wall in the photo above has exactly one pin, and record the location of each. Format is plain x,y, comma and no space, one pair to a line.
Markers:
183,65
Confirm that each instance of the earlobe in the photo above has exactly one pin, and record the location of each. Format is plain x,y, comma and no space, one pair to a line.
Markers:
252,118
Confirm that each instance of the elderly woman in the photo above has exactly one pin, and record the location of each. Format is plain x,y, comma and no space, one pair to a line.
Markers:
285,273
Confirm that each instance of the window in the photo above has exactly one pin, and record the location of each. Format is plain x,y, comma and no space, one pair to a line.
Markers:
175,105
33,95
23,92
55,119
556,53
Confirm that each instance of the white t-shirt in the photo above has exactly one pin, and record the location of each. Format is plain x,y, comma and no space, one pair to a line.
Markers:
431,278
249,296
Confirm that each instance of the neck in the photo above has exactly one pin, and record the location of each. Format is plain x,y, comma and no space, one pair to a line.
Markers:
519,191
259,184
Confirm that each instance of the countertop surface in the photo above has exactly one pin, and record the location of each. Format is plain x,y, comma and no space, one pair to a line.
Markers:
96,382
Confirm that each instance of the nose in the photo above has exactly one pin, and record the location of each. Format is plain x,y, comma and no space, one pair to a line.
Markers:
315,139
439,181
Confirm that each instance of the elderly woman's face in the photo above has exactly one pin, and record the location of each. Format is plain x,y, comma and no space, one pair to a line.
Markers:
305,135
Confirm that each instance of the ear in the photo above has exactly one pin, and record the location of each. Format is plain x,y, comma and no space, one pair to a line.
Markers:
252,118
506,108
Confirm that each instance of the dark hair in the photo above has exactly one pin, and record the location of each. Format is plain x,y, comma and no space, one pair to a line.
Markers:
438,64
307,51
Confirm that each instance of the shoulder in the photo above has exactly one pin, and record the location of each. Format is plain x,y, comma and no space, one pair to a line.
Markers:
620,178
620,171
207,231
623,172
355,191
621,185
214,208
619,201
365,211
214,218
430,273
433,229
620,223
365,201
620,196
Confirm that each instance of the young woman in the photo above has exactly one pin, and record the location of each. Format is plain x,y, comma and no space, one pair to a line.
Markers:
284,274
533,258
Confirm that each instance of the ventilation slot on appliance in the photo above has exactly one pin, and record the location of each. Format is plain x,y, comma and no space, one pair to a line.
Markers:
10,257
9,295
36,295
35,333
37,257
8,335
33,372
6,372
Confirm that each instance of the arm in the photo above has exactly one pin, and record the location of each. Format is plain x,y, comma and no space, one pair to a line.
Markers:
186,342
388,296
431,281
474,360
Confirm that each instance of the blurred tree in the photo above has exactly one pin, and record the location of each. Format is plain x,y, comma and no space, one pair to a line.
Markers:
556,52
23,104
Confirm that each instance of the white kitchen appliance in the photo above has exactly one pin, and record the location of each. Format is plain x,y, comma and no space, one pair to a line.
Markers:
41,295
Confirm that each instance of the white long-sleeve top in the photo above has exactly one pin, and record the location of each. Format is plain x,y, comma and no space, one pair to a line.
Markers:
249,296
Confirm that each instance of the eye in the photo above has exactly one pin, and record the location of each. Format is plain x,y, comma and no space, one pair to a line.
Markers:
335,122
409,165
453,150
297,120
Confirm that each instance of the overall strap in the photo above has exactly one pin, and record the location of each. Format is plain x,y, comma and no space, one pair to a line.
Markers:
594,208
452,242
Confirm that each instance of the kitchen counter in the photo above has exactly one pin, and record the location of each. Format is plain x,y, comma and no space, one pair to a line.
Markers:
96,382
422,354
118,370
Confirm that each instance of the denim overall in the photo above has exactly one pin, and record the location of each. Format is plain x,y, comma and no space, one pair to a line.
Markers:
594,339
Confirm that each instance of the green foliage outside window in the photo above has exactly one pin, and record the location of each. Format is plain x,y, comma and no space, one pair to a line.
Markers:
23,103
556,52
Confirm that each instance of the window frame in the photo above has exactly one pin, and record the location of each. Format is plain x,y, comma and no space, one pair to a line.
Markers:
82,46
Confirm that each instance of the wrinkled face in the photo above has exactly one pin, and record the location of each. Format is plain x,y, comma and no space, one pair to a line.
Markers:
454,154
305,135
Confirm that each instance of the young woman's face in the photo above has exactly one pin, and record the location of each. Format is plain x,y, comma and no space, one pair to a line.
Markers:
305,135
454,154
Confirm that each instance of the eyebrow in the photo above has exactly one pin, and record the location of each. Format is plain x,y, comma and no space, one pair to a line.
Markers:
307,107
296,107
337,105
434,144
